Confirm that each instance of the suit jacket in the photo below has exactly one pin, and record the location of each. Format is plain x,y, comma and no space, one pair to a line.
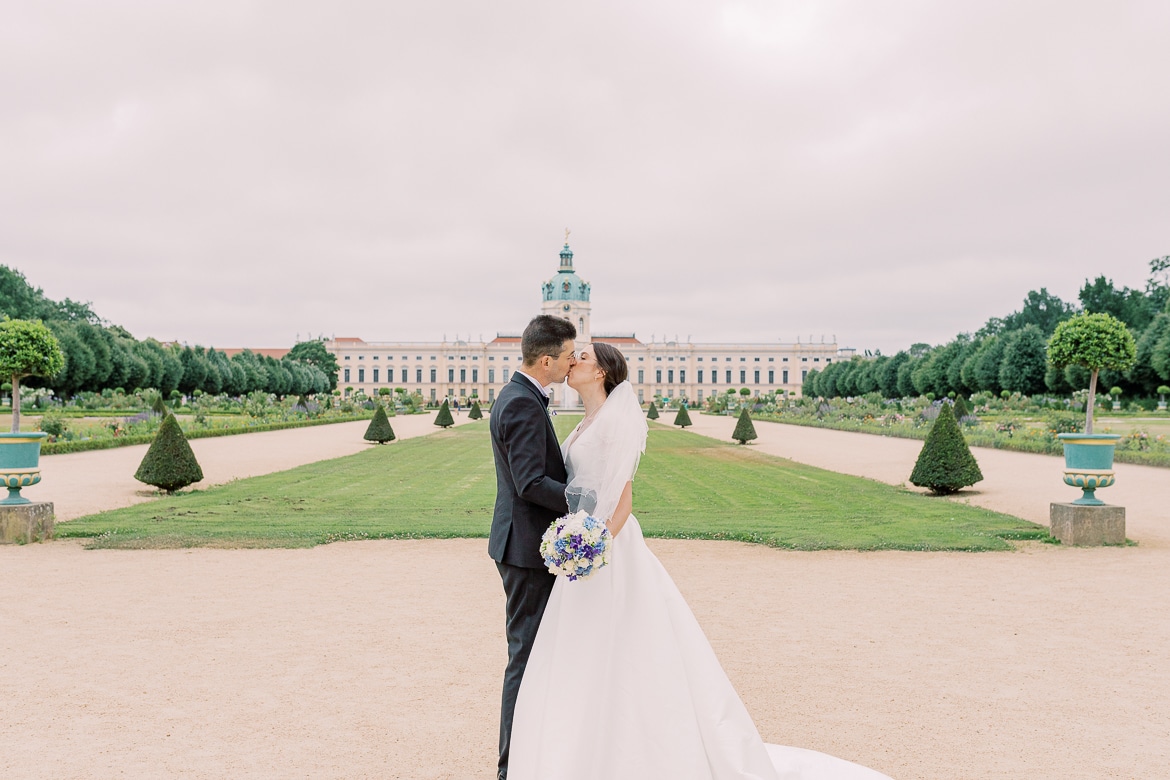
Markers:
530,474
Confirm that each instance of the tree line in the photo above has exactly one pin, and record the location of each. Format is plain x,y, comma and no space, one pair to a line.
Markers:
100,356
1010,353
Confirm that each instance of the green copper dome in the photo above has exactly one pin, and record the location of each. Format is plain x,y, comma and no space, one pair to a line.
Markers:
566,285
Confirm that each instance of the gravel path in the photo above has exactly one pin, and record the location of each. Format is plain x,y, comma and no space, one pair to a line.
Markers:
382,659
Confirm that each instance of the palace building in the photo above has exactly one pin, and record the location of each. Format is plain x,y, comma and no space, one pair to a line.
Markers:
670,369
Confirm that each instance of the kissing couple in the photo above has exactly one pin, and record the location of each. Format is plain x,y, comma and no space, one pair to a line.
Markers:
609,677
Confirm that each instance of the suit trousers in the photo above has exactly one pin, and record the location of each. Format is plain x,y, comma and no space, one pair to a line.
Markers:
527,592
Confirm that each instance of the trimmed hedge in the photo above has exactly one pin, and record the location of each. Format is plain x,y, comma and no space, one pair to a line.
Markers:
85,445
974,439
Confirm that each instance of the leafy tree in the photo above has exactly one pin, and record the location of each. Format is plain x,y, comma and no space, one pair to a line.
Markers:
945,464
475,414
1144,375
315,353
27,348
1024,362
652,412
906,377
444,418
744,431
169,464
1130,306
1094,342
888,374
79,361
379,430
1042,309
682,419
987,362
811,386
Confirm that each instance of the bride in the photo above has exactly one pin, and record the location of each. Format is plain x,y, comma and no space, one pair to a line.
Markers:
622,683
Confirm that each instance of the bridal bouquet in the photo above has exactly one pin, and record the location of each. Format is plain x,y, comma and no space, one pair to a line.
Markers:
576,545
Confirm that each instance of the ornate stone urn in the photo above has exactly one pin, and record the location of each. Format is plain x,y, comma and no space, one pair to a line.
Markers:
1088,463
20,463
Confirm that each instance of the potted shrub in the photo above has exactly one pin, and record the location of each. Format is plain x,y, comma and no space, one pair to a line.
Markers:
26,349
1116,393
1093,342
1163,391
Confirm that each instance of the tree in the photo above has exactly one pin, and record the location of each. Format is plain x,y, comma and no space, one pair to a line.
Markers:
1143,374
1132,307
444,418
1024,362
652,412
744,431
1094,342
682,419
169,464
476,413
945,464
987,362
27,348
315,353
379,430
1042,309
961,408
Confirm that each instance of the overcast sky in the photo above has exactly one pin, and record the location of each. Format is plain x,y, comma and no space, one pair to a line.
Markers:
240,173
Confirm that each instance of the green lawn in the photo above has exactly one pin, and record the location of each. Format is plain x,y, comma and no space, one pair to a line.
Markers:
443,486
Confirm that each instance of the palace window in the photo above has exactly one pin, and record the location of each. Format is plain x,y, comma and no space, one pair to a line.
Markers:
816,360
670,376
475,375
434,375
641,377
375,358
463,375
771,377
757,360
347,373
404,375
682,376
347,357
784,376
505,375
756,378
729,376
418,374
700,376
375,375
450,375
658,375
491,375
743,376
361,375
803,374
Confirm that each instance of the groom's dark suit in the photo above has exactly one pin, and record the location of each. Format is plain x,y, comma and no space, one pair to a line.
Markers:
530,494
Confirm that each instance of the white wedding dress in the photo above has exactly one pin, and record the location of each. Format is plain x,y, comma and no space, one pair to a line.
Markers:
622,684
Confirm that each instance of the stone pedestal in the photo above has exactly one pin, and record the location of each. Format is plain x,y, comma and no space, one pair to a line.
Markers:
23,523
1081,525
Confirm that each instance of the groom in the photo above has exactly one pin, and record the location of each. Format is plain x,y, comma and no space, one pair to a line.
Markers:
530,494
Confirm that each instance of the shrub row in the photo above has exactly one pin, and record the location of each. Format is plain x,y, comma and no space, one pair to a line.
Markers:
85,445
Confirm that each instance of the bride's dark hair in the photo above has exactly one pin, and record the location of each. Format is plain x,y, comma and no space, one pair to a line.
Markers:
613,363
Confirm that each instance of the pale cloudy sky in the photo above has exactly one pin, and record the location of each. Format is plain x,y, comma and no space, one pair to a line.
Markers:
240,173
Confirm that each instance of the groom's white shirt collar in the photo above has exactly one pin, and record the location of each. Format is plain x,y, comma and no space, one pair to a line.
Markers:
533,381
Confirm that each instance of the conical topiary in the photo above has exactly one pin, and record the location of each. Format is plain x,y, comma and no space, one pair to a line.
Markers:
961,408
652,412
476,413
682,419
158,406
169,464
945,464
744,430
444,417
380,430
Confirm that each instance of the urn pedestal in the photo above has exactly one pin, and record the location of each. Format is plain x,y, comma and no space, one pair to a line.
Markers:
1083,525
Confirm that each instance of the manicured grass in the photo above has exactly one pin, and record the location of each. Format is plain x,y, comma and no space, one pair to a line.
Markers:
443,486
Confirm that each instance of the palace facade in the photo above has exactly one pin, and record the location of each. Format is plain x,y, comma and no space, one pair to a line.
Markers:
670,369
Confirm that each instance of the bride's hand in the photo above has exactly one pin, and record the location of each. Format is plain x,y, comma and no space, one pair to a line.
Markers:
622,512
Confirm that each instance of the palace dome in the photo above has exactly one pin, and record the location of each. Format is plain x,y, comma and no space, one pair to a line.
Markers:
566,285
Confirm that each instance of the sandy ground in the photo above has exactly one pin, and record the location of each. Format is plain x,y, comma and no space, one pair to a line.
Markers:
382,659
